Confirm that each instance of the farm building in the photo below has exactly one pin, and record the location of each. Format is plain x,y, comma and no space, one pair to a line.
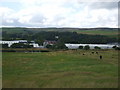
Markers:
102,46
19,41
47,42
8,42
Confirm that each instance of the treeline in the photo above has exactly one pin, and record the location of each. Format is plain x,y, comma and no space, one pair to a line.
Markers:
64,37
16,45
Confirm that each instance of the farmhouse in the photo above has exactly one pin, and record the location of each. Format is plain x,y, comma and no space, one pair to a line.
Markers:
47,42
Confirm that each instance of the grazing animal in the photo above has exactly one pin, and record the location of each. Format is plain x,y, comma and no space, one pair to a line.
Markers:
83,54
96,52
100,56
92,52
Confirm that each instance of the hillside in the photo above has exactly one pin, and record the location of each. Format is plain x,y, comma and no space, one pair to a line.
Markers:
82,30
81,35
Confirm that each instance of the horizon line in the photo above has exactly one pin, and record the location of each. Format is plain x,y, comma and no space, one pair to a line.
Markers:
53,27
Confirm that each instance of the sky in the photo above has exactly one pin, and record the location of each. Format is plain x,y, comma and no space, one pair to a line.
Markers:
59,13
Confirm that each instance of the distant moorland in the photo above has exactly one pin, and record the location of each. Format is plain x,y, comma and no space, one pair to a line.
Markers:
66,35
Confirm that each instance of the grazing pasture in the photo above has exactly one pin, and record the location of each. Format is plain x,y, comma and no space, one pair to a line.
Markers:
60,69
110,33
101,32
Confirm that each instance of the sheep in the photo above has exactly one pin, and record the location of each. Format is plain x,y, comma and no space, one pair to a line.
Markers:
96,52
92,52
100,56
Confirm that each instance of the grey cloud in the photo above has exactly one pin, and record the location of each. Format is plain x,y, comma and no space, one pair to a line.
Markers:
119,14
16,23
58,18
105,5
38,19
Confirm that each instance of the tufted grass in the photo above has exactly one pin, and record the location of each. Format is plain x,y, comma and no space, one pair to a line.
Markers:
60,69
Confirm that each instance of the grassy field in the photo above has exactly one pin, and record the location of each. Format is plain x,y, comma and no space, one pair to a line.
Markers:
110,33
101,32
60,69
93,31
0,70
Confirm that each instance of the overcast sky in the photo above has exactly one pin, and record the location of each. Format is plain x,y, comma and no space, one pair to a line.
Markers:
59,13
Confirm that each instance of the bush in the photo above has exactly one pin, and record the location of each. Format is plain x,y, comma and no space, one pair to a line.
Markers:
87,47
21,45
80,47
4,45
96,47
114,47
49,46
60,46
117,48
57,46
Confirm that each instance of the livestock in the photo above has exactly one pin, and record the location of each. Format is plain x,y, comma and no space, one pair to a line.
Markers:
92,52
83,53
96,52
101,57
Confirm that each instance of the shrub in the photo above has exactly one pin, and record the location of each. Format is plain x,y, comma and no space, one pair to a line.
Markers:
114,47
80,47
4,45
49,46
21,45
87,47
96,47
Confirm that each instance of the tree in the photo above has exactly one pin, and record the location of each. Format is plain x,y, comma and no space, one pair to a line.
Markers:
21,45
80,47
49,46
96,47
117,48
87,47
58,45
114,47
4,45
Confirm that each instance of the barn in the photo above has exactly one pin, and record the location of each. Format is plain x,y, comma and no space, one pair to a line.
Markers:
102,46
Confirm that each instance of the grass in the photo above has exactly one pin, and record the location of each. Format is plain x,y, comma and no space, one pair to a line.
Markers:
90,31
101,32
110,33
61,69
0,70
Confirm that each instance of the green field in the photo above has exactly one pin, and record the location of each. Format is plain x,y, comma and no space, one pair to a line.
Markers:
102,32
0,70
93,31
60,69
110,33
